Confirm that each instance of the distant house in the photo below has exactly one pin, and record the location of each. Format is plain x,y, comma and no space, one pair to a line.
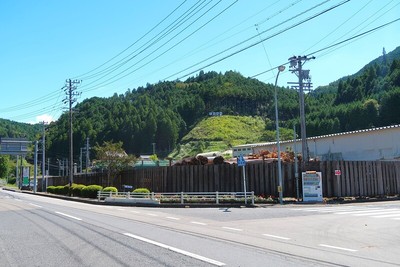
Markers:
382,143
144,161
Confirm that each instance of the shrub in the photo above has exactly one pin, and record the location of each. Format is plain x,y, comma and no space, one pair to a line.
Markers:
61,190
12,180
51,189
110,189
90,191
141,190
76,189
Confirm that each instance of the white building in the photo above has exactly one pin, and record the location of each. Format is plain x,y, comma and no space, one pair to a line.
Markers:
381,143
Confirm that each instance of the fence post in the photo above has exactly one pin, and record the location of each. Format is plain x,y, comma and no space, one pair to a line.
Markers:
98,195
128,195
252,197
152,195
181,197
216,197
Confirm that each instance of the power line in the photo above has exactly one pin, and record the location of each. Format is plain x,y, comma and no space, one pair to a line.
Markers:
167,50
336,44
154,40
82,76
251,45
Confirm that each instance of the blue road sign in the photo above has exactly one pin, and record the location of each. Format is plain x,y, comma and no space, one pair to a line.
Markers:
240,161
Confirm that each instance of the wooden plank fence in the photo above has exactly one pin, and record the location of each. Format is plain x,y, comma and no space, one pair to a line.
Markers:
357,179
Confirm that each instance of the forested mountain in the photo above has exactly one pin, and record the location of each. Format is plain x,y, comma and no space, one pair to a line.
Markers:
165,112
16,129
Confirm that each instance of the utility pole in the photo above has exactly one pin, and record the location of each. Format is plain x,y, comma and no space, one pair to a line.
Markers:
87,155
154,148
48,172
296,67
80,161
70,91
35,168
43,155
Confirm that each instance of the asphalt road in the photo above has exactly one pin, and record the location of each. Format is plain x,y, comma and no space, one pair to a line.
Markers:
40,231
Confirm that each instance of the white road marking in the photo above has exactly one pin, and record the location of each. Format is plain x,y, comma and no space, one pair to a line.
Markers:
275,236
177,250
17,199
388,215
120,209
135,211
339,248
199,223
152,214
173,218
376,212
69,216
37,206
233,229
357,211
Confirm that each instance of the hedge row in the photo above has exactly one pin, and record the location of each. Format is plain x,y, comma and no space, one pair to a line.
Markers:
88,191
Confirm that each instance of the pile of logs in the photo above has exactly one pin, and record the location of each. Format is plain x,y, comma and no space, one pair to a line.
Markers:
285,156
200,160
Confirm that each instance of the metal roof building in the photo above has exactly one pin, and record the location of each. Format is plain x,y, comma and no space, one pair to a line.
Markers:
381,143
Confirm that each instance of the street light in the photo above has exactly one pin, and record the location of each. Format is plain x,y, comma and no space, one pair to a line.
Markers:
278,144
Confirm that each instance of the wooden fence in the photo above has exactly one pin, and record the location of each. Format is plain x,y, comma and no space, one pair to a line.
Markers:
357,179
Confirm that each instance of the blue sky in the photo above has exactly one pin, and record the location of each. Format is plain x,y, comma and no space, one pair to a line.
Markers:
45,42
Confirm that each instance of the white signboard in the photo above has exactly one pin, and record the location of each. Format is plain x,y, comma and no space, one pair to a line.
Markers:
312,186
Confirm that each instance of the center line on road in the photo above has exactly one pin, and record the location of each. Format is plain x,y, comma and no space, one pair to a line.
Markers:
69,216
275,236
37,206
199,223
233,229
340,248
177,250
173,218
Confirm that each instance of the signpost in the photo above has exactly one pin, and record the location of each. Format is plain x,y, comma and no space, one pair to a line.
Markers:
242,163
312,186
25,176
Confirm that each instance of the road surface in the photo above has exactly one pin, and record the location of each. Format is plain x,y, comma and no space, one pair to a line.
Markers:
40,231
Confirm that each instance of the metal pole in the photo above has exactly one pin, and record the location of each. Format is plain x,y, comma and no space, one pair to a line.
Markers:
87,154
278,144
43,156
80,161
35,167
244,185
71,154
17,174
47,173
296,164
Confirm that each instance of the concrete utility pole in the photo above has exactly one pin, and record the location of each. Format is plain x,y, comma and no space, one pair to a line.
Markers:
70,91
296,67
87,155
43,155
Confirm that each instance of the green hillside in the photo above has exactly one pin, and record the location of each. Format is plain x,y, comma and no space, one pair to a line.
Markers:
175,115
223,132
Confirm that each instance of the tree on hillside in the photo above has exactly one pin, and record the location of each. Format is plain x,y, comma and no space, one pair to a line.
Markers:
112,157
3,166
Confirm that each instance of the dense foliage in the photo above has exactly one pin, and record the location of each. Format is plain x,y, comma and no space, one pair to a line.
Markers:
17,129
168,113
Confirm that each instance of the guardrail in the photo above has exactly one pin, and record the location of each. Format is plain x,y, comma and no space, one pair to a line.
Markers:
184,197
